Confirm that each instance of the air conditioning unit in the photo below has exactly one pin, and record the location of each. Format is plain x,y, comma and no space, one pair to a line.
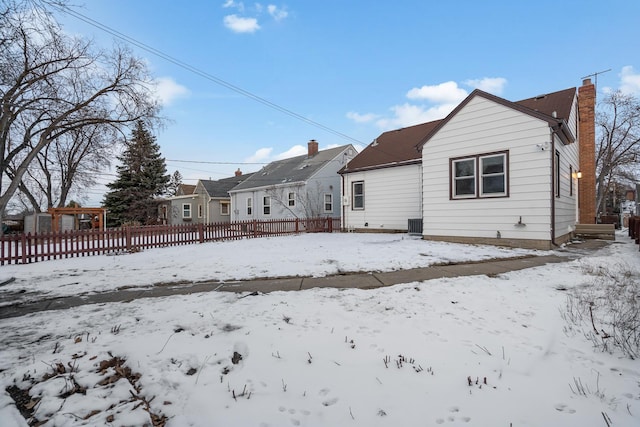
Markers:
345,201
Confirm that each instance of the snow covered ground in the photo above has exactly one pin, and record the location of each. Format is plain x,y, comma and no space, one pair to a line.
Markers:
469,351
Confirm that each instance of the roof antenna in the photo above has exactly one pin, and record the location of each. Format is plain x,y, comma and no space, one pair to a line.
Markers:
595,75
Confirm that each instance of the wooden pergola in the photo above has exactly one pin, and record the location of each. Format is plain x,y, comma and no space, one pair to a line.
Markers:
97,216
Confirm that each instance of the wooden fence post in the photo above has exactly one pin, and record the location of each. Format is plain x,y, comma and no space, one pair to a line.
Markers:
297,225
23,241
255,228
127,233
201,232
330,227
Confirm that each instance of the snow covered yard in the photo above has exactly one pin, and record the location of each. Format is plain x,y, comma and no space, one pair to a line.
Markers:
459,351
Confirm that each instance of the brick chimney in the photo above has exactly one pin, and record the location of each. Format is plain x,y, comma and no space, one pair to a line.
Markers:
587,152
313,148
238,172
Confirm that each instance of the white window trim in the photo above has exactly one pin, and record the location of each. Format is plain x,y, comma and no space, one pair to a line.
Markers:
266,205
291,197
478,191
503,173
200,210
330,202
249,206
228,205
186,208
454,178
353,196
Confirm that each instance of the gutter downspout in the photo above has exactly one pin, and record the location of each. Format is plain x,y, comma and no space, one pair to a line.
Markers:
344,211
553,188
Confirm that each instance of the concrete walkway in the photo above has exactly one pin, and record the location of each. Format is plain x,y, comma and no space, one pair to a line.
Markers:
354,280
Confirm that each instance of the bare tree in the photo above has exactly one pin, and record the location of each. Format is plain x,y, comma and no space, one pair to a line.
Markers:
309,201
618,145
54,89
68,166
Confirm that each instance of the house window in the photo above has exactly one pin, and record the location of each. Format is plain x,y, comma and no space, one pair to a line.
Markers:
249,206
357,191
556,167
266,205
292,199
570,180
328,202
199,211
464,178
225,208
492,169
186,210
483,175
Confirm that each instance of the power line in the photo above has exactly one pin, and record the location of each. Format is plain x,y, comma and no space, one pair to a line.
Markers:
199,72
217,163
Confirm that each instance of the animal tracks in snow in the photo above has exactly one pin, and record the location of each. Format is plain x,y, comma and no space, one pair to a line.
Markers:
561,407
454,415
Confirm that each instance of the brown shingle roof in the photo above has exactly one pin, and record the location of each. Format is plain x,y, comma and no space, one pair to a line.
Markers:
392,148
560,102
401,146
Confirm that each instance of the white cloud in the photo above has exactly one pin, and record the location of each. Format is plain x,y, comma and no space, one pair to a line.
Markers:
361,118
233,4
260,156
629,81
249,22
439,101
410,114
167,90
447,92
296,150
239,24
493,85
277,13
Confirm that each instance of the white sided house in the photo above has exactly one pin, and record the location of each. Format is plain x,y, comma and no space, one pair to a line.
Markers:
493,171
382,185
305,186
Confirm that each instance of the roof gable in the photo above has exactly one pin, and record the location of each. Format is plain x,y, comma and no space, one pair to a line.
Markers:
220,188
554,108
391,148
292,170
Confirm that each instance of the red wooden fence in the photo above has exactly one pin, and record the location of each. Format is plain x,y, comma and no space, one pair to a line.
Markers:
28,248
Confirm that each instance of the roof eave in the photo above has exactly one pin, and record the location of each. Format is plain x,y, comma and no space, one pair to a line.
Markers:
345,171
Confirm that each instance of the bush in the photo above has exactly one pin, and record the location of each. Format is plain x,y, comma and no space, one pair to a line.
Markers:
606,310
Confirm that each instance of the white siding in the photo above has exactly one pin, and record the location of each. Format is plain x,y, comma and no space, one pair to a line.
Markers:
309,195
480,127
391,198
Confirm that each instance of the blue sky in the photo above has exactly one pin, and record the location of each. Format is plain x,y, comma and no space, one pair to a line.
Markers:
356,67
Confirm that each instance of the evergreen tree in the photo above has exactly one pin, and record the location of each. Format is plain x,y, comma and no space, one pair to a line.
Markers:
174,183
142,176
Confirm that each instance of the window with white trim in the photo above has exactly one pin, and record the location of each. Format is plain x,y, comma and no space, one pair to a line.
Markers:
328,202
186,210
199,211
249,206
479,176
266,205
357,193
225,208
291,199
493,175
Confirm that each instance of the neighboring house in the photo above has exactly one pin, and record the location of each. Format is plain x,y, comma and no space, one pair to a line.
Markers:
493,171
299,187
208,202
185,189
